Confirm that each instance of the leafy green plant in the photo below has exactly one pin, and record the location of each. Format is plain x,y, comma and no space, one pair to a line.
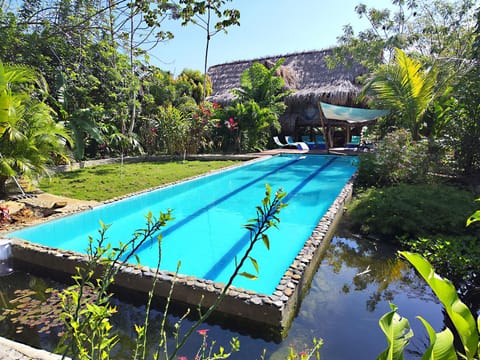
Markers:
454,257
29,137
441,345
474,218
397,159
406,88
259,105
88,329
398,333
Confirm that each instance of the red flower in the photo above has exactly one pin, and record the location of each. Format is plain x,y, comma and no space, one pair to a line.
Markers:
231,124
182,358
202,332
5,215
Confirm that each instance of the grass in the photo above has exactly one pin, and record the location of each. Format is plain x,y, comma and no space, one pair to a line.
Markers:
109,181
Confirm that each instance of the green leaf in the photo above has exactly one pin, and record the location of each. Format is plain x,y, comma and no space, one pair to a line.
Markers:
475,217
137,259
398,333
248,276
458,312
254,263
266,241
441,344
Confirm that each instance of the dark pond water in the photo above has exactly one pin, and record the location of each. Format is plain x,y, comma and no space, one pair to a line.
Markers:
352,289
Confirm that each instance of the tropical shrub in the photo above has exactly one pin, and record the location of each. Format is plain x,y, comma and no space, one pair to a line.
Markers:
191,83
255,124
464,130
397,159
29,137
455,257
258,105
202,125
186,129
412,211
171,130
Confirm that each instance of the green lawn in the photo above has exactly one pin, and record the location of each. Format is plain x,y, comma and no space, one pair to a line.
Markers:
108,181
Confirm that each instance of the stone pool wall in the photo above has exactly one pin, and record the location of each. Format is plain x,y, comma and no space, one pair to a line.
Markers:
273,312
269,315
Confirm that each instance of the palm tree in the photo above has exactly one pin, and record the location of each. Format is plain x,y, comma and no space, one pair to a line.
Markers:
29,136
406,89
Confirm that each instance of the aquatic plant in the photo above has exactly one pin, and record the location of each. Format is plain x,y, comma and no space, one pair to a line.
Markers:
40,309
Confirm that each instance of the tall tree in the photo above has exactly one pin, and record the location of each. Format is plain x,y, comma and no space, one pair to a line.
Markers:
212,18
436,30
463,112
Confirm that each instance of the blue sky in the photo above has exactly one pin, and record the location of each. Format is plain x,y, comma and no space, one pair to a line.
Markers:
267,27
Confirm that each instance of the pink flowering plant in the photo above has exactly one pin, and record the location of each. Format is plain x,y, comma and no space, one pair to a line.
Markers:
203,123
5,215
227,135
206,349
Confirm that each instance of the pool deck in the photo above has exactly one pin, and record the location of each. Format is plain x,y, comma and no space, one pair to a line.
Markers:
271,315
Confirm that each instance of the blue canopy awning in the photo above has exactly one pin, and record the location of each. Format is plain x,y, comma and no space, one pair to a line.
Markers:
352,116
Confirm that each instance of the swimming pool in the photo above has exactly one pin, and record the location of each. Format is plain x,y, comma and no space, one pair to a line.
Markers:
209,212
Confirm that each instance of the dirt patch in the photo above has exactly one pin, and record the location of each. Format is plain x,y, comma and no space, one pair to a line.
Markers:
37,208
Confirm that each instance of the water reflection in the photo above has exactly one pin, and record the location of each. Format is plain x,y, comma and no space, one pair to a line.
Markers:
350,292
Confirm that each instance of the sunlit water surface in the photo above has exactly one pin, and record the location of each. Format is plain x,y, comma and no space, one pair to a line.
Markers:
353,288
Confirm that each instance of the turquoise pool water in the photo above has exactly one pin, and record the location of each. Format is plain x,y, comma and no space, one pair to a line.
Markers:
207,233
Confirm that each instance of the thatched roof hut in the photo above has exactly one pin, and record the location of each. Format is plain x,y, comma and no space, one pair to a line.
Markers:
307,74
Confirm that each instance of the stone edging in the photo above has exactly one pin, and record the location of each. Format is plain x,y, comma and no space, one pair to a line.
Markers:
13,350
272,313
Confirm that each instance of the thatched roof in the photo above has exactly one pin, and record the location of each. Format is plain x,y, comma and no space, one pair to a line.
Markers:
306,73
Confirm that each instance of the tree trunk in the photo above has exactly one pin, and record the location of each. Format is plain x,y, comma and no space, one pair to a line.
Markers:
205,64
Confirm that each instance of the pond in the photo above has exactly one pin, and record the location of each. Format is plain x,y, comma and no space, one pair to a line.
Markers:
355,283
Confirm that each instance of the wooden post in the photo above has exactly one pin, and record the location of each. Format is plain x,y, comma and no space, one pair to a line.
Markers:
326,131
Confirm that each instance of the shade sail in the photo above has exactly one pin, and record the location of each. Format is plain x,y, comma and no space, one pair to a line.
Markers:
351,115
